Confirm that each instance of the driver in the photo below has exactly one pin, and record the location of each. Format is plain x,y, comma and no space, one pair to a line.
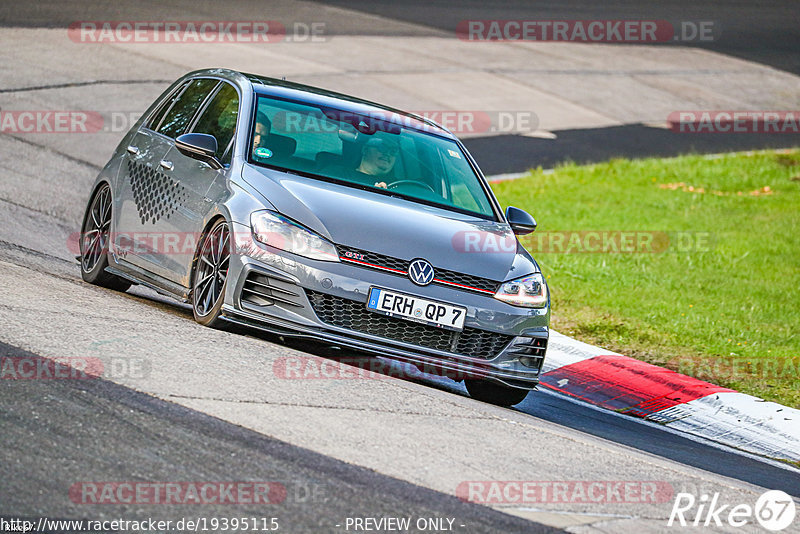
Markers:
377,159
262,130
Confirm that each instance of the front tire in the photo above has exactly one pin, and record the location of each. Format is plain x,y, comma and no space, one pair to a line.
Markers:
95,240
493,393
211,274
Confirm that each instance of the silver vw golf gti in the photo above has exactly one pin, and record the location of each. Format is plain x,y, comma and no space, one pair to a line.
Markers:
314,214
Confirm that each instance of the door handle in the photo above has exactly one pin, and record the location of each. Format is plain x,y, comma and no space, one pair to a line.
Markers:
167,164
133,149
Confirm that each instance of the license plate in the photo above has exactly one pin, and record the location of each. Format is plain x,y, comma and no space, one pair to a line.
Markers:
416,309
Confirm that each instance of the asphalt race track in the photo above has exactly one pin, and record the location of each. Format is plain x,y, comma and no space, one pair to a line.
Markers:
163,441
179,403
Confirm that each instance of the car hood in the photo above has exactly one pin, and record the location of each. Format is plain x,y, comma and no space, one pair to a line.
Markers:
393,226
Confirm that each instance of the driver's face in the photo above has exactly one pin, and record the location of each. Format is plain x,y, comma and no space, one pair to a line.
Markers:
260,135
380,159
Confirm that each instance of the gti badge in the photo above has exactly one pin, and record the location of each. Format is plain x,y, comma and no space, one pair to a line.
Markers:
420,272
354,255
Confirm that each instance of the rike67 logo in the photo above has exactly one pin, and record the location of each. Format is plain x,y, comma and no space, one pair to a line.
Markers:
774,510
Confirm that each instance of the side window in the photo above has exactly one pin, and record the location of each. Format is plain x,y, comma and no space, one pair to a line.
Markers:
159,114
219,120
179,117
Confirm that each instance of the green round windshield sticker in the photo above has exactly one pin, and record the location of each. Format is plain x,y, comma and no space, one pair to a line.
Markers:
264,153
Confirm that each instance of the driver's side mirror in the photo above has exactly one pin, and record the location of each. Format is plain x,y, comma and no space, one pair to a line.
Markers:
520,220
202,147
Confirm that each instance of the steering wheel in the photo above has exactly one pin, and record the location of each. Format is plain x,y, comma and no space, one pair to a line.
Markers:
410,182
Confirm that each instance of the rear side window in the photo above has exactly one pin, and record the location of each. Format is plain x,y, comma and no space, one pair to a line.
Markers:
159,114
180,115
219,119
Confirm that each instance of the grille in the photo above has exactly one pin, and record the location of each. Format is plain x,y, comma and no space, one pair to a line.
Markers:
372,257
354,315
382,260
532,346
467,280
530,350
263,290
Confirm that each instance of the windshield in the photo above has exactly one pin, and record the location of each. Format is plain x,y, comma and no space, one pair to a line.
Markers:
366,151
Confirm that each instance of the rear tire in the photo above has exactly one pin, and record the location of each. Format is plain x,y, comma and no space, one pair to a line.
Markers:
493,393
209,280
94,242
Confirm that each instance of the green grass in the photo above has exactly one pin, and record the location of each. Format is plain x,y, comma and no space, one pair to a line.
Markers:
726,310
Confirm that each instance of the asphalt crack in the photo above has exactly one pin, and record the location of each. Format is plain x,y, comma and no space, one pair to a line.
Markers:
65,224
301,405
68,85
58,152
37,253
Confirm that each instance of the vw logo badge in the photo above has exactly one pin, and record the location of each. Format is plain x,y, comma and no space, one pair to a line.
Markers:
420,272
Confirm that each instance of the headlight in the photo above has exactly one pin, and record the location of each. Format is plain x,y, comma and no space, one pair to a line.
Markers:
279,232
529,292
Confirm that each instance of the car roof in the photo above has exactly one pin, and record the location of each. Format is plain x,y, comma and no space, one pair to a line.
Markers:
323,97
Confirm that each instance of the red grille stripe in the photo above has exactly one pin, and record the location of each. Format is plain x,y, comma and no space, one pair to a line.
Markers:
465,287
381,267
405,273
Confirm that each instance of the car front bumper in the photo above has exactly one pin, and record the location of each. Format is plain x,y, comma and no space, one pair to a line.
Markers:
284,294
